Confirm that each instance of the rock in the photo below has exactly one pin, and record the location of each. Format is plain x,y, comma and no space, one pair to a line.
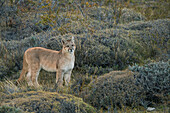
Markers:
150,109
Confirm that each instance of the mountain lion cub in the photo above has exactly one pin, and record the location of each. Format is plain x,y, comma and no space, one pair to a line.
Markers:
61,62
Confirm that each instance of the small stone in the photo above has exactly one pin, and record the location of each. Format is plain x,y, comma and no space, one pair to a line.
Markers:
150,109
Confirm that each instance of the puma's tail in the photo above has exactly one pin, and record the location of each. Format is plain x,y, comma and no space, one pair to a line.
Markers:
24,70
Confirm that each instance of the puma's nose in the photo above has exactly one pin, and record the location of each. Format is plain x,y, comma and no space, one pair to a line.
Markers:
70,50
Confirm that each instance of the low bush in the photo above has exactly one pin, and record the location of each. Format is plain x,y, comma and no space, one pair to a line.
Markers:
45,102
129,15
8,109
113,89
154,78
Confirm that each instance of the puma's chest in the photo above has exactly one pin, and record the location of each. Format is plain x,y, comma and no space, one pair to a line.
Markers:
67,64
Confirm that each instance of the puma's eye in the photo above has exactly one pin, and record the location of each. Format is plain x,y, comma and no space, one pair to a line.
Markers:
67,46
72,45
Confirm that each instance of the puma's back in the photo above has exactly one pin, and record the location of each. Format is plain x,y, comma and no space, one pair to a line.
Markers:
47,58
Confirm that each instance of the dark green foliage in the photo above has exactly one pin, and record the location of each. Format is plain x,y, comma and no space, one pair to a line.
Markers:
12,27
129,15
154,78
8,109
113,89
152,9
104,51
103,14
79,82
153,37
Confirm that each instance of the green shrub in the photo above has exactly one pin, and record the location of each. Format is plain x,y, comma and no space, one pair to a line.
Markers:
154,78
113,89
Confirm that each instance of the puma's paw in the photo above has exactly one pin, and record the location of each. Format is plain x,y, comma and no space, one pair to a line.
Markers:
30,84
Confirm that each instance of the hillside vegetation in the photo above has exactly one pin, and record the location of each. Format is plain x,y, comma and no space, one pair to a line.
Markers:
122,54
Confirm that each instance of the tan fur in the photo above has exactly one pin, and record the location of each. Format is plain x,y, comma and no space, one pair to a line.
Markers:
61,62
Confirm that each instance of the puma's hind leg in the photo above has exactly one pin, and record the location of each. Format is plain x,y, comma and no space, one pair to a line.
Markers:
22,75
35,69
28,78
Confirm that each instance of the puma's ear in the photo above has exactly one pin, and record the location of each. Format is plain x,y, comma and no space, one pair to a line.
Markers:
63,41
72,38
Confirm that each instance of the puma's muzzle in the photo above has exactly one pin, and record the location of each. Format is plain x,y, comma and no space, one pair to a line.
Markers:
70,50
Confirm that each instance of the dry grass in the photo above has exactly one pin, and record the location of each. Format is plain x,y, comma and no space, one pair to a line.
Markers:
8,86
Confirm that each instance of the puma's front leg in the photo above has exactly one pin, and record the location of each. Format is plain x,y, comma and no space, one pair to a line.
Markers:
59,77
67,77
56,76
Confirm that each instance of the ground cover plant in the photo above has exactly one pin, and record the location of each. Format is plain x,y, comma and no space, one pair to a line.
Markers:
122,54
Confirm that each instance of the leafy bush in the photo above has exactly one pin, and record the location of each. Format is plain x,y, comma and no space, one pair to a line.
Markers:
113,89
154,78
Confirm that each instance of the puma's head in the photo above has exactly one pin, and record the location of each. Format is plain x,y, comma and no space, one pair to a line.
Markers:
69,45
